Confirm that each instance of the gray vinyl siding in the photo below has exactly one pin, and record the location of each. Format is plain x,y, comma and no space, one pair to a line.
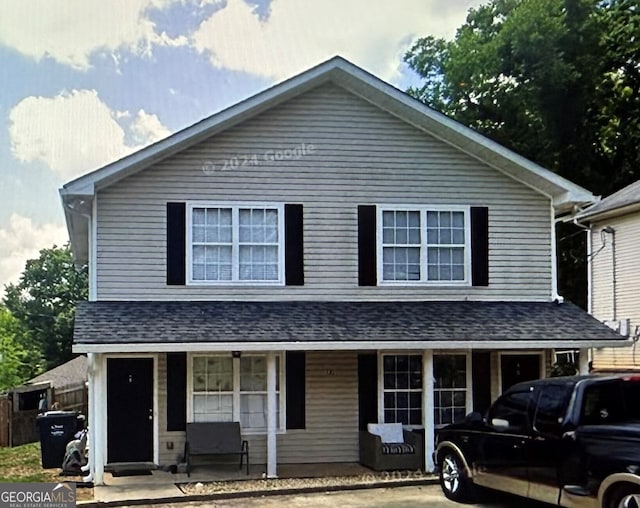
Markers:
331,433
362,155
627,265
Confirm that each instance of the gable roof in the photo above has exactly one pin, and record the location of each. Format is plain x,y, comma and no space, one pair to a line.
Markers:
77,195
624,201
69,373
135,326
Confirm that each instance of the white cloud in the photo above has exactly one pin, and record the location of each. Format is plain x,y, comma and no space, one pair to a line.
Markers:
69,31
76,132
21,240
146,128
299,34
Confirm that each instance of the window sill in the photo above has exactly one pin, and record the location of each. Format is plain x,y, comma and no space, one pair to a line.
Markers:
456,284
235,283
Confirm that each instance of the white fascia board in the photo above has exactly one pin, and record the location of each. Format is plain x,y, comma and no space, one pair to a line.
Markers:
596,216
133,347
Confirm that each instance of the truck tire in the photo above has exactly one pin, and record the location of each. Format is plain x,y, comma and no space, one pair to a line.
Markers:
453,478
625,496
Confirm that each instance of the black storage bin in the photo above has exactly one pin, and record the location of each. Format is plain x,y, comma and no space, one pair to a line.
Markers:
57,428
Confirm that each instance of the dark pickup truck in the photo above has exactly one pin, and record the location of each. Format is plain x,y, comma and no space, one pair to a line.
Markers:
569,441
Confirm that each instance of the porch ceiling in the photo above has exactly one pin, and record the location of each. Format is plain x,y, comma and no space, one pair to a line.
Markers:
311,325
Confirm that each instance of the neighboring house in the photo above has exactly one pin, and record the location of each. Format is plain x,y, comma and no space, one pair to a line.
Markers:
325,254
614,273
71,373
19,407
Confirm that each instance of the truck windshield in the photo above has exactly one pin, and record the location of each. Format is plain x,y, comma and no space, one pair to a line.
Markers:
611,402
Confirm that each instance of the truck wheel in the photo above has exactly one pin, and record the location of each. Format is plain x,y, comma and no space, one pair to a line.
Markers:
625,496
453,479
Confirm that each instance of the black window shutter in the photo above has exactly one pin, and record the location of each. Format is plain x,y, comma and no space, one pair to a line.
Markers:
293,245
367,392
480,246
176,243
367,268
295,375
176,391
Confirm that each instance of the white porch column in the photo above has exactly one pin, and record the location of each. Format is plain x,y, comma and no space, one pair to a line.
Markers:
98,418
427,406
91,416
583,361
272,423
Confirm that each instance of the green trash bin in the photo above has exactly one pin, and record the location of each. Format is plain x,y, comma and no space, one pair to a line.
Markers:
57,428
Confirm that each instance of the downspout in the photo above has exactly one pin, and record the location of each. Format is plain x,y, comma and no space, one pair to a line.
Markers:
614,311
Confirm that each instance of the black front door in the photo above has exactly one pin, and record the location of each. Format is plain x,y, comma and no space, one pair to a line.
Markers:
129,410
517,368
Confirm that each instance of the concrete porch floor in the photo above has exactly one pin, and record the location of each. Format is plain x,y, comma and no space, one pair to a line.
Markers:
161,485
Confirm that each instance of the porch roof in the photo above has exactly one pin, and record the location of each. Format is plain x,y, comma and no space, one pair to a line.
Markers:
142,326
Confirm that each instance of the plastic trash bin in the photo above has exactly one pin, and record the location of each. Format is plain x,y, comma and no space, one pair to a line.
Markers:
57,428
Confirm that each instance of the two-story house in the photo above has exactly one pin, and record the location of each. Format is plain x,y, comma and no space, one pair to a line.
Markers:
325,254
614,274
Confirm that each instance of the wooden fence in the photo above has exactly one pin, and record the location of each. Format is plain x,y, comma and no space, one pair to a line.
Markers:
19,427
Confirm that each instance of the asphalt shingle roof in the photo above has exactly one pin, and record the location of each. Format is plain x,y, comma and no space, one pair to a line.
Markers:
70,373
111,322
629,195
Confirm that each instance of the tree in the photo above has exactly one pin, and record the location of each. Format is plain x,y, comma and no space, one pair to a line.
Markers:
16,362
44,302
554,80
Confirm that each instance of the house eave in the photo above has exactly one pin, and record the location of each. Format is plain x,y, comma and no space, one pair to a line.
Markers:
596,216
195,347
563,193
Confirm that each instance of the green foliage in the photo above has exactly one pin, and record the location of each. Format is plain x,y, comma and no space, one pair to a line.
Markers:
16,360
44,302
557,81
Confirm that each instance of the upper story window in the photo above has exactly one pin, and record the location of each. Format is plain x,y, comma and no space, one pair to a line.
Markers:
230,243
424,245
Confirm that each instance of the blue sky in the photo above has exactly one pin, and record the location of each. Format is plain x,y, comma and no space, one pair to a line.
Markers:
86,82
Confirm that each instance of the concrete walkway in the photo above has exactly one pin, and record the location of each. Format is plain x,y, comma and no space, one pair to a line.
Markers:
205,484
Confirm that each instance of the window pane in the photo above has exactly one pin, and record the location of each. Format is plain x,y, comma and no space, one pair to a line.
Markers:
389,381
402,397
512,409
253,411
253,373
389,400
258,262
450,387
199,216
400,263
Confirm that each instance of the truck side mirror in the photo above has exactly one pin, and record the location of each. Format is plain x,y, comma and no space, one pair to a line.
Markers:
473,418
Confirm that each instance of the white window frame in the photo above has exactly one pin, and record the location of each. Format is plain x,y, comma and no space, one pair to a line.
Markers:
235,206
469,381
381,390
423,209
282,424
542,368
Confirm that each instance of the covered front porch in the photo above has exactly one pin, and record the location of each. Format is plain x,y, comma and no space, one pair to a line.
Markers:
301,401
